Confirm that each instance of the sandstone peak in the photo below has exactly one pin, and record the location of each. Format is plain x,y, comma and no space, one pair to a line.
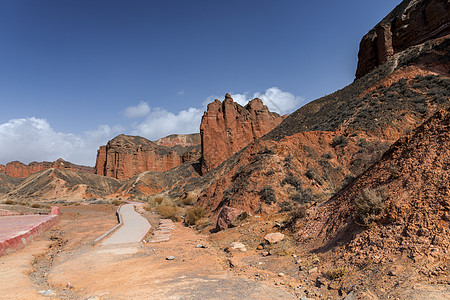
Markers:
227,127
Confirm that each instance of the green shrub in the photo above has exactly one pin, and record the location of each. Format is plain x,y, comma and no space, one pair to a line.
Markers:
369,205
168,212
194,214
267,195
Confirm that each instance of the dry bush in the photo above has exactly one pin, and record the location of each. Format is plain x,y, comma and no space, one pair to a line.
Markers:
117,202
369,205
202,223
168,212
336,273
158,200
10,202
35,205
267,195
189,200
194,214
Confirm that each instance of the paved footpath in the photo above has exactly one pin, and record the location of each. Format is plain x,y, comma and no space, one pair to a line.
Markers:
133,230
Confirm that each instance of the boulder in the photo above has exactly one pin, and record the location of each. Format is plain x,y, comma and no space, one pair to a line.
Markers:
275,237
227,218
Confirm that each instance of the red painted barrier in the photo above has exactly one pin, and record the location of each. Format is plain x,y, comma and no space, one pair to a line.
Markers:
20,239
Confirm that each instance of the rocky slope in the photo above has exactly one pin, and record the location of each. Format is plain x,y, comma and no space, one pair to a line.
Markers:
126,156
227,127
405,197
55,184
18,169
326,143
8,183
411,23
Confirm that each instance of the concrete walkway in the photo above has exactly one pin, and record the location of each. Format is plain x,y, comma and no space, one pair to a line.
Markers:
133,230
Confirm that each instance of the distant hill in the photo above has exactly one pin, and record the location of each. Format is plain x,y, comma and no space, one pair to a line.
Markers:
55,184
21,170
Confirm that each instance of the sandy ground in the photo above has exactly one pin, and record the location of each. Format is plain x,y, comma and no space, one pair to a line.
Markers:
65,261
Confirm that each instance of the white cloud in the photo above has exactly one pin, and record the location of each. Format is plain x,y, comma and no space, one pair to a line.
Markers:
33,139
139,111
180,93
160,123
274,98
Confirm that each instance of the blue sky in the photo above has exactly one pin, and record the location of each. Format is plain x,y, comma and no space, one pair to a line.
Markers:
74,74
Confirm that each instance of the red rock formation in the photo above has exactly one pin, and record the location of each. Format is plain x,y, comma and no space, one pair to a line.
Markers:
126,156
410,23
2,169
227,127
184,140
18,169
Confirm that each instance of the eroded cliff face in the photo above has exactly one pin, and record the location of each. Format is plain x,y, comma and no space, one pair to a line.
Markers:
126,156
20,170
411,23
227,127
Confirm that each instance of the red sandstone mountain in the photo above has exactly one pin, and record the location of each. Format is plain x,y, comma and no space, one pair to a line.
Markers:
126,156
323,145
410,23
18,169
228,127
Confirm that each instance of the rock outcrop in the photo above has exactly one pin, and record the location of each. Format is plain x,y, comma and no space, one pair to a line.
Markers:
126,156
21,170
411,23
183,140
227,127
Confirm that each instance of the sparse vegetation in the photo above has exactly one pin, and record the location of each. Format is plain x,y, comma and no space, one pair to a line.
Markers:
369,205
189,200
285,206
9,202
194,214
117,202
294,216
314,175
302,196
168,212
292,180
267,195
340,140
35,205
336,272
